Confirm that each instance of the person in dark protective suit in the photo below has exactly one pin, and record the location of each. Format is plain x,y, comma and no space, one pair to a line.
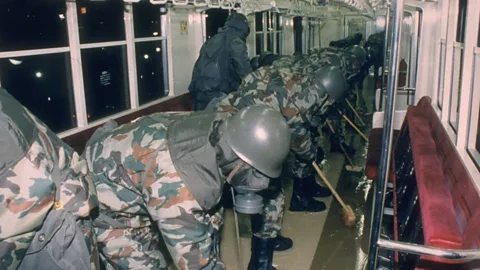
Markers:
222,64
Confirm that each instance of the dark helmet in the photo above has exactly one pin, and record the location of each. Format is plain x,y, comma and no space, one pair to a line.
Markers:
266,59
260,136
333,81
359,53
254,63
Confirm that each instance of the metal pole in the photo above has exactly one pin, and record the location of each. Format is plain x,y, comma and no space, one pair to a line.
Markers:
379,195
385,47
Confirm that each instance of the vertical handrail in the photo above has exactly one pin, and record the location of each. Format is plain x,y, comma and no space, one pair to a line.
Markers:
379,195
385,49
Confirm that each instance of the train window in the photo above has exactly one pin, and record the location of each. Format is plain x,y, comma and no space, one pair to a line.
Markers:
26,25
477,142
147,19
259,43
105,77
270,42
100,21
215,20
278,23
42,83
151,84
458,55
441,73
298,34
258,21
461,21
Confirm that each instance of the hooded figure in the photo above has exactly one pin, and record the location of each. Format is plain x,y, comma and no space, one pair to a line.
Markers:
222,63
164,173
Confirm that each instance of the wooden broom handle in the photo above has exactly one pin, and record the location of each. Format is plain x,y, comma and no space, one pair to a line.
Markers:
354,111
354,126
329,185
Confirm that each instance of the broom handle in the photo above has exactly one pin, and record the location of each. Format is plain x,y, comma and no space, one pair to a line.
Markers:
354,126
355,112
328,184
341,146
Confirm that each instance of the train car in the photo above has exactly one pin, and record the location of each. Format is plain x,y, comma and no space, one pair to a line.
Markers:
76,64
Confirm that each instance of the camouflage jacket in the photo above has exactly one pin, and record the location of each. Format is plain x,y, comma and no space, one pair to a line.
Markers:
134,165
296,96
40,174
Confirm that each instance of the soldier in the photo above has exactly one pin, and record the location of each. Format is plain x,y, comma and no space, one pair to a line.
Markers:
46,196
165,173
222,63
299,99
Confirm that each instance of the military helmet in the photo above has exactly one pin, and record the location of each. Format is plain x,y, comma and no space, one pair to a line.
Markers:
335,60
333,81
260,136
359,53
255,63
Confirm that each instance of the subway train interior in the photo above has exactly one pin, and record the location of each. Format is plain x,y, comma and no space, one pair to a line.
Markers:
413,181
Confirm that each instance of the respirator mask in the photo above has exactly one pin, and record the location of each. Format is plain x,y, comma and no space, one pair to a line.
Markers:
246,180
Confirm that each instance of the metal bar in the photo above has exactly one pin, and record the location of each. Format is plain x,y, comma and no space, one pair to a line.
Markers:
131,56
379,195
451,254
385,49
137,40
23,53
102,44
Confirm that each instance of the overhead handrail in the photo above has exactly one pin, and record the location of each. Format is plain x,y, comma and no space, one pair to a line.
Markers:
210,4
198,3
422,250
387,136
180,3
227,5
158,2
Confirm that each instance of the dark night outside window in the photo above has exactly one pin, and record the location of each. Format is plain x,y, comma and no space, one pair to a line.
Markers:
259,21
151,85
270,42
462,19
279,42
42,83
105,77
259,44
26,25
100,21
146,18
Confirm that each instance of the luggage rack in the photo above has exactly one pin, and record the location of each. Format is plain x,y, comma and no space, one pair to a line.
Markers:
377,242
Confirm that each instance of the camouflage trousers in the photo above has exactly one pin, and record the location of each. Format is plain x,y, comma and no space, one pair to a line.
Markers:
302,169
186,229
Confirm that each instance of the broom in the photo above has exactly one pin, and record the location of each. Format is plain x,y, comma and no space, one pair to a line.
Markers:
348,216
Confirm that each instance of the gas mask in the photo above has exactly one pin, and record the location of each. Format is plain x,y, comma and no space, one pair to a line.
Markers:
246,180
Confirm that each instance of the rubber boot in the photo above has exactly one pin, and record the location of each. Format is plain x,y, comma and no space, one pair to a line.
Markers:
281,243
262,254
313,189
301,202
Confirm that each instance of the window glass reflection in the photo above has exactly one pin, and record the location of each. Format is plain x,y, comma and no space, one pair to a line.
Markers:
26,25
146,17
42,83
278,19
151,84
461,20
100,21
105,78
270,42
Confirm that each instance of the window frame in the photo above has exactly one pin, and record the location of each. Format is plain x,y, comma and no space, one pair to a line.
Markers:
266,31
75,48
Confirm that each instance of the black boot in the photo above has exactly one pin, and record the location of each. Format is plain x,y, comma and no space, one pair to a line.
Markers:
313,189
282,243
262,254
301,202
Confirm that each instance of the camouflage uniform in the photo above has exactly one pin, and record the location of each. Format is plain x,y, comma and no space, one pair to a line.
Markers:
45,182
140,188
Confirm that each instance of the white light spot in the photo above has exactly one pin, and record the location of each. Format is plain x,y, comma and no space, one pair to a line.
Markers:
146,56
49,99
15,62
38,74
61,16
261,134
155,33
158,49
